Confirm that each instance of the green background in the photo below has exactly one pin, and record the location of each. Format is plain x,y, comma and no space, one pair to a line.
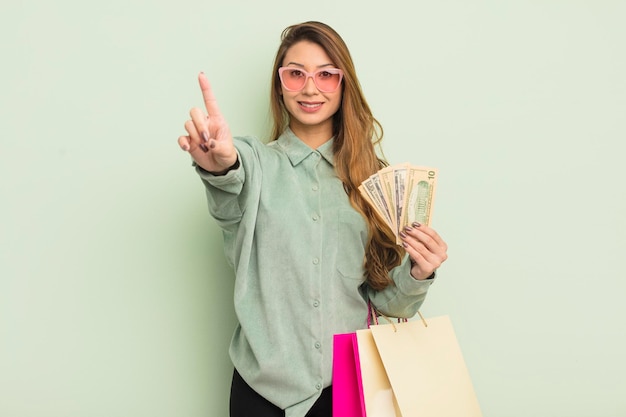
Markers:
115,297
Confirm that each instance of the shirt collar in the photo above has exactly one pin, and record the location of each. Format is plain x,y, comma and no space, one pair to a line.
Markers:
297,150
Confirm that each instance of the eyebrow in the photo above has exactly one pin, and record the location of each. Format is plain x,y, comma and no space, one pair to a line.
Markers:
302,66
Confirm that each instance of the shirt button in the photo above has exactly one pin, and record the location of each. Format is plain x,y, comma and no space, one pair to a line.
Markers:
318,345
318,387
315,188
316,261
315,217
316,303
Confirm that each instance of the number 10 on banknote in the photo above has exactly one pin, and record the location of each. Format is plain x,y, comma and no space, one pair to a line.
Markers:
402,194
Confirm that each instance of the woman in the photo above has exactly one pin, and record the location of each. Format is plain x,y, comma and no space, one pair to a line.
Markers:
307,250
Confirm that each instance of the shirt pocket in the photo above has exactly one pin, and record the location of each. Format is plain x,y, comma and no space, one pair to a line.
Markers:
351,241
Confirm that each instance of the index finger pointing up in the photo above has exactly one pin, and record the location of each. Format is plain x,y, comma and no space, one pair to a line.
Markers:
210,103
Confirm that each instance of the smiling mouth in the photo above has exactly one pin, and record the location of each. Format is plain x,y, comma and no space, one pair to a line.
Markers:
310,105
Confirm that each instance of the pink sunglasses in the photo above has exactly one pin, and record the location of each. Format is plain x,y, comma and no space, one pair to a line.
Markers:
326,80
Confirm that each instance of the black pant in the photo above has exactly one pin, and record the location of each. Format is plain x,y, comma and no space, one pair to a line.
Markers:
245,402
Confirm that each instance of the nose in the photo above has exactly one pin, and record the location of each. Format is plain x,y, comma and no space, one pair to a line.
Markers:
309,86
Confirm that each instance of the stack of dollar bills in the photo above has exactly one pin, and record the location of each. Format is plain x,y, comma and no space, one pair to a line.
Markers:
402,194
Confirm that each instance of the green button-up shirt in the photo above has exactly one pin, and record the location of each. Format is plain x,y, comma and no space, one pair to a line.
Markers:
297,247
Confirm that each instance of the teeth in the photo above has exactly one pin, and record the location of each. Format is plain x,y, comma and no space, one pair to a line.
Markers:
310,106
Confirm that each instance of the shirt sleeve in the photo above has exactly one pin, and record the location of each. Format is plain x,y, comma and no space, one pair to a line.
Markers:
228,195
405,297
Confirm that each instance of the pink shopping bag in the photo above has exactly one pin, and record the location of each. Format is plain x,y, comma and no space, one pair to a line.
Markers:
347,386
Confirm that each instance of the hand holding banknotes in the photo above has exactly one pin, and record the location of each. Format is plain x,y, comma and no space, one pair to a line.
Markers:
425,248
403,196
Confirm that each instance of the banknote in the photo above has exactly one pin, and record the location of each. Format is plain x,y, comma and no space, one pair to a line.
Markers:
419,196
373,192
375,205
401,194
386,177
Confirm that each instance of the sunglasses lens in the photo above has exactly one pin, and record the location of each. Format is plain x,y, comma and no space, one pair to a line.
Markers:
327,81
293,79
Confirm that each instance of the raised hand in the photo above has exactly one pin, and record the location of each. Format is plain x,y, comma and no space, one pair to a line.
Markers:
208,138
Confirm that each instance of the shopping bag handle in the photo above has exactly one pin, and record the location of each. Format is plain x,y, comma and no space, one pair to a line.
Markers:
373,314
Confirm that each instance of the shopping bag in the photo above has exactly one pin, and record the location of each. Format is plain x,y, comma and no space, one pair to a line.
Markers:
423,371
346,387
378,396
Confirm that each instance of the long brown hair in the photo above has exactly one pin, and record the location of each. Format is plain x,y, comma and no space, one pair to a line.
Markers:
356,133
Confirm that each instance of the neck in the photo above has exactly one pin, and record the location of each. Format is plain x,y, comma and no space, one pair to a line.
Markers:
312,136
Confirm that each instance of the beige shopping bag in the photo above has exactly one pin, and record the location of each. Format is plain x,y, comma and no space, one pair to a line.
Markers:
378,395
415,369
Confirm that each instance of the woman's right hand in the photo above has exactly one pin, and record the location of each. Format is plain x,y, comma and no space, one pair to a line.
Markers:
208,138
